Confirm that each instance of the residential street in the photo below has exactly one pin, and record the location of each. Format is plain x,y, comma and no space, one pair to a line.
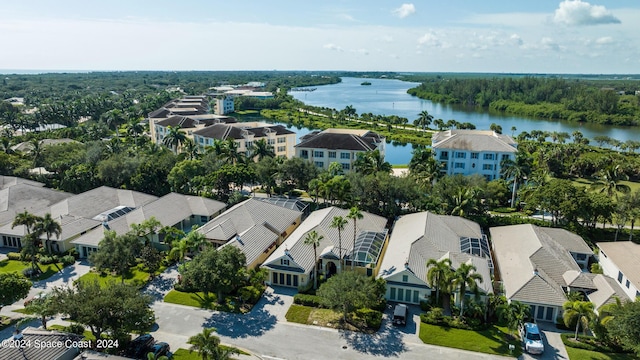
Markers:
264,331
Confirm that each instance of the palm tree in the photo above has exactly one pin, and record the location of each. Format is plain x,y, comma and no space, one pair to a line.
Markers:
424,119
517,170
25,218
609,181
354,214
465,201
513,314
438,273
179,249
191,149
262,149
371,162
205,343
582,312
174,138
466,276
48,226
339,223
313,238
152,356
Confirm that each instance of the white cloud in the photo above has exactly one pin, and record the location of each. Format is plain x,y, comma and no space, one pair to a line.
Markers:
430,39
549,44
577,12
346,17
604,40
516,39
361,51
404,10
332,46
387,38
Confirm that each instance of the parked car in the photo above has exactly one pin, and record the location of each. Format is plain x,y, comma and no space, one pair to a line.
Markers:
400,314
159,349
139,346
38,296
532,339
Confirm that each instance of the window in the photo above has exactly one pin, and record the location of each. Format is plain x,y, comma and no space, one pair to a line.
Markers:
474,155
346,166
332,154
319,164
458,165
627,284
271,141
405,278
304,154
620,277
275,278
282,148
487,167
416,296
392,296
200,140
288,279
284,262
295,280
204,219
582,256
281,278
540,313
248,144
345,156
444,155
318,153
488,157
282,140
369,272
549,315
461,155
505,157
400,293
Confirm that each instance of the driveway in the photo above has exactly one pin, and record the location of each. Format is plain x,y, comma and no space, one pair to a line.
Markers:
553,345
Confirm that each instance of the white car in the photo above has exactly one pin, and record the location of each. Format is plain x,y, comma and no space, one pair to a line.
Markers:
532,339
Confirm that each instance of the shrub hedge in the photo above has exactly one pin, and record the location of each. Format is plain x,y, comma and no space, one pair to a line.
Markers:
308,300
14,256
371,318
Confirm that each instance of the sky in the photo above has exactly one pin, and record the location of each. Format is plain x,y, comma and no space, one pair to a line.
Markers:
497,36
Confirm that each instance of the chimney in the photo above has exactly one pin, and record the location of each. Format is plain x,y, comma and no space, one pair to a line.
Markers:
535,272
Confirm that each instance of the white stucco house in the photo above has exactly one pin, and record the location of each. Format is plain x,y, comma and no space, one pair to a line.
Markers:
621,261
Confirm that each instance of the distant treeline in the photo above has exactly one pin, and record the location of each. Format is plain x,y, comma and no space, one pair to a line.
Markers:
549,98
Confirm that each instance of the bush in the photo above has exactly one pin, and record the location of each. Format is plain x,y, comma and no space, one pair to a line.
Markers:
29,272
75,329
68,260
588,343
250,294
46,260
307,300
425,305
436,317
73,252
371,318
380,306
14,256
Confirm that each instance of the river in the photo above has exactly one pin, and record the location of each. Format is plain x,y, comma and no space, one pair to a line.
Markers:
389,97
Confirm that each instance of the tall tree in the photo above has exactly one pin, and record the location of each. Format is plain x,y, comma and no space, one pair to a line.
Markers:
174,138
48,226
314,239
439,273
517,171
262,149
349,290
513,314
118,309
218,271
116,253
354,214
625,325
582,312
424,120
31,241
465,277
609,181
13,287
371,162
208,346
339,223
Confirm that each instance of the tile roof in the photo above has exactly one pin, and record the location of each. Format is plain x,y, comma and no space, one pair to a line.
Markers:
237,131
417,238
535,263
25,196
35,336
169,210
473,140
8,181
320,221
254,242
608,290
245,215
334,140
625,255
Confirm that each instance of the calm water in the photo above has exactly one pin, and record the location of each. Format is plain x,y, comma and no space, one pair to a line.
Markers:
389,97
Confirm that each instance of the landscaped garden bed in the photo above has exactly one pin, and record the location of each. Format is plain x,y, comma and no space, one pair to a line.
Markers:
588,347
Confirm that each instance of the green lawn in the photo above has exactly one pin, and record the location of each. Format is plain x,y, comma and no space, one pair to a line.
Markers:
198,299
580,354
87,334
8,266
136,275
184,354
298,314
490,341
582,182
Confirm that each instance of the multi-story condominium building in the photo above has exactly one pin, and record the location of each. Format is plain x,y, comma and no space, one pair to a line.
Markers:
224,105
620,261
338,145
245,134
470,152
187,124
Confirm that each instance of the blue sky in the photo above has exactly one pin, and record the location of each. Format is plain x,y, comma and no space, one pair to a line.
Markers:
542,36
